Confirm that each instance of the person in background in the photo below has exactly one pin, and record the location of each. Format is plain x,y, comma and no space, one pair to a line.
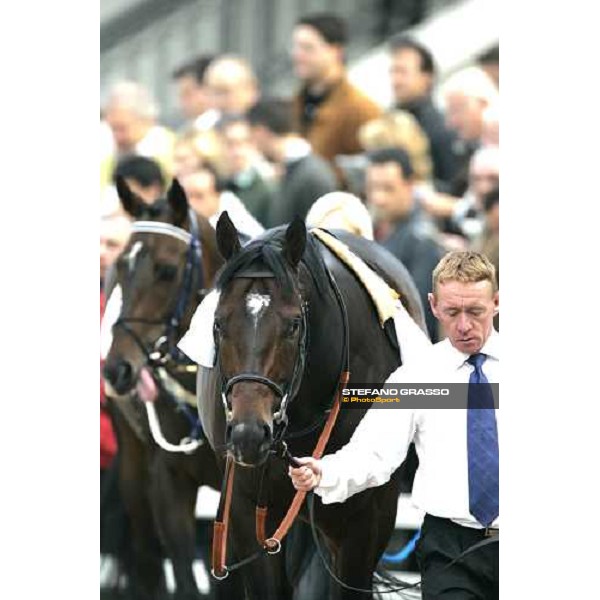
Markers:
489,243
468,94
241,156
484,177
411,237
195,102
193,148
341,210
413,76
114,235
207,196
457,481
399,129
305,177
490,134
328,109
187,157
143,176
132,116
232,85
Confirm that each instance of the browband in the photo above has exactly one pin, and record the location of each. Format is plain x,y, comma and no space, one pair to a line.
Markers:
163,228
255,274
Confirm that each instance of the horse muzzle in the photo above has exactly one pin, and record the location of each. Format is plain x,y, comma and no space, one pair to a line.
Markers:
249,441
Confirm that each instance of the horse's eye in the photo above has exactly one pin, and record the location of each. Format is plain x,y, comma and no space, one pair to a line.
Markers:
293,328
218,327
165,272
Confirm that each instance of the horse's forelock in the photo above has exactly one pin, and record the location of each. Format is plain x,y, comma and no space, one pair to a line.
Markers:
266,254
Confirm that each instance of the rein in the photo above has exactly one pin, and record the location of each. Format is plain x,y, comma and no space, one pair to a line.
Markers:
272,544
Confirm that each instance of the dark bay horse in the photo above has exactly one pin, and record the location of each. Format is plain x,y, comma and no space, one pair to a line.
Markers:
169,262
279,333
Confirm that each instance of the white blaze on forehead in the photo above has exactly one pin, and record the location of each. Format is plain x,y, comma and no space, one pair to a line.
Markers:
135,249
256,304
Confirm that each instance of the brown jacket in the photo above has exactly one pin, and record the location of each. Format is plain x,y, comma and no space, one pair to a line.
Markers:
334,130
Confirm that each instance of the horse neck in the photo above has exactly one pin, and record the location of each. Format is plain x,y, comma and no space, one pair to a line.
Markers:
324,360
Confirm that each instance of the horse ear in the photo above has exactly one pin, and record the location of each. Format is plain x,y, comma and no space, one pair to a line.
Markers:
178,201
295,241
227,237
129,201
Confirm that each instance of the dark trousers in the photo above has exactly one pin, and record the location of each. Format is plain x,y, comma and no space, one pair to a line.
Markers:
474,577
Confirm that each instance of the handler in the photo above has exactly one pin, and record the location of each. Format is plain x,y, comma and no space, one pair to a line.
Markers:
457,480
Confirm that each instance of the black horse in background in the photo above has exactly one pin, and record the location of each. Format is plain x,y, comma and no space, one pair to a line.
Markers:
169,262
279,329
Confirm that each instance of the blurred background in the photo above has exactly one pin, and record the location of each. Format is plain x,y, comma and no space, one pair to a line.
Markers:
146,40
377,116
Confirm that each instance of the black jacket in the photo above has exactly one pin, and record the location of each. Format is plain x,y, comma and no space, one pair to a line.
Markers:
304,181
441,140
413,242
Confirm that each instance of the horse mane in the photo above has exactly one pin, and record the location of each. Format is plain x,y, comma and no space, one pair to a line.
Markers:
266,253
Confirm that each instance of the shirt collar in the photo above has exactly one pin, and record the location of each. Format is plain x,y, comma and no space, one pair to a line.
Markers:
490,348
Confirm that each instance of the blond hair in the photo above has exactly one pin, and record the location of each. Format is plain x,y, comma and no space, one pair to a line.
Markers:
399,129
464,266
206,145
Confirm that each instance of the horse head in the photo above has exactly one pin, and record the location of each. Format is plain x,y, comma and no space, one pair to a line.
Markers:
260,334
170,259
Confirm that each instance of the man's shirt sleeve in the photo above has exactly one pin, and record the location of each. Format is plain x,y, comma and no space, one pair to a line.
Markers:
377,448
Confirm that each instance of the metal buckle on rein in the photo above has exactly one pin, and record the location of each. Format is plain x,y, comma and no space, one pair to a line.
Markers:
157,355
220,577
272,546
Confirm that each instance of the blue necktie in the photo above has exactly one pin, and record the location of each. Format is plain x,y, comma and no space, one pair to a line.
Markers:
482,444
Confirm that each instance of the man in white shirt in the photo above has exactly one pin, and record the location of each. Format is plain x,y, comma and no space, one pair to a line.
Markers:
457,480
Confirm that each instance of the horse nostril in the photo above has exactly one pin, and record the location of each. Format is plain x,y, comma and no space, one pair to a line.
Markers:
120,375
124,373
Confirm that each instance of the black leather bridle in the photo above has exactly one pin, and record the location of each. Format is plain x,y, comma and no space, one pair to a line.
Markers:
287,392
164,350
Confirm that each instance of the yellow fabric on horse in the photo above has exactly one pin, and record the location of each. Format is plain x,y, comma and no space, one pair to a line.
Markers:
384,297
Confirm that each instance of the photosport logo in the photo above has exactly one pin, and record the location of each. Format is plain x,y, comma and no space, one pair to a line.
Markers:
412,395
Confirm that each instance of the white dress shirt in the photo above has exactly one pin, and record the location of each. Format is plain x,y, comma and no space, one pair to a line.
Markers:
381,440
